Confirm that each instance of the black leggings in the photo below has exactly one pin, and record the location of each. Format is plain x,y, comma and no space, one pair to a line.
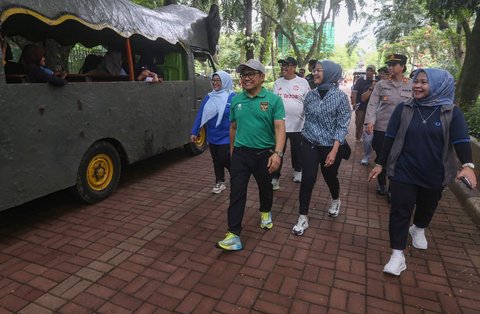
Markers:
221,160
312,156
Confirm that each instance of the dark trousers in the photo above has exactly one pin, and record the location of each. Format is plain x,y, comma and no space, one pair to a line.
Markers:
244,163
377,144
221,160
359,120
295,152
406,198
313,156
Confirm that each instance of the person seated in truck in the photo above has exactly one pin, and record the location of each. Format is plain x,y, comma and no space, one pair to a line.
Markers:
144,74
146,68
33,60
111,64
91,62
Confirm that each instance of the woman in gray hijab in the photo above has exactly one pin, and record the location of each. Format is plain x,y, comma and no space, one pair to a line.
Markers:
327,116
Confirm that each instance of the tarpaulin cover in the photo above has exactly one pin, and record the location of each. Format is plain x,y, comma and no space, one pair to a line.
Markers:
172,23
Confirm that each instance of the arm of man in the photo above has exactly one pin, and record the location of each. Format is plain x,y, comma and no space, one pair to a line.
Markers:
370,116
366,95
280,137
233,131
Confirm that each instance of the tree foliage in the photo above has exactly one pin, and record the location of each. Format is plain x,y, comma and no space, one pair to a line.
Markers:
308,17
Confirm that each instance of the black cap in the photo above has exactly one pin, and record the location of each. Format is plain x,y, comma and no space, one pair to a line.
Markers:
396,58
288,60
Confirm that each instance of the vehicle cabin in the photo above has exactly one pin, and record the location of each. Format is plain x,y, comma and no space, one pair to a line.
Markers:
79,135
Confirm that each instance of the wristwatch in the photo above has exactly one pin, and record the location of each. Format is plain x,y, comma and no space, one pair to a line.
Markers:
279,153
469,165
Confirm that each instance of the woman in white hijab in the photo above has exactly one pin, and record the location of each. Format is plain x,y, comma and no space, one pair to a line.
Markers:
214,114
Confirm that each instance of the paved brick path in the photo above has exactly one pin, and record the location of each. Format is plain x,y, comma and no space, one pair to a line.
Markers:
150,249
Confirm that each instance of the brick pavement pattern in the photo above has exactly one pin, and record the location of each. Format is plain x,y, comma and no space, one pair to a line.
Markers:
149,248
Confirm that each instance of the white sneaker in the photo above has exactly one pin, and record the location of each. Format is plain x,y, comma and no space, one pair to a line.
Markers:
301,225
275,184
297,176
395,265
364,161
219,187
418,237
334,209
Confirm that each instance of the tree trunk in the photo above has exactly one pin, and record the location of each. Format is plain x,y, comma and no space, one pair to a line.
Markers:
468,86
265,30
248,26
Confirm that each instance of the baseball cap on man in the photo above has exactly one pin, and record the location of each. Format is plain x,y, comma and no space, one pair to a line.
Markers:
252,64
288,61
396,58
372,67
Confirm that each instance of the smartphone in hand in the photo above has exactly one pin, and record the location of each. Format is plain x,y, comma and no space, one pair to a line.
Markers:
467,182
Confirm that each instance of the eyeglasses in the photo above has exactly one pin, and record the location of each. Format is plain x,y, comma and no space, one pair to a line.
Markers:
249,75
216,81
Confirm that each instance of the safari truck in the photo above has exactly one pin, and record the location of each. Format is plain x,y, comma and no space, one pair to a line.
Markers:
79,136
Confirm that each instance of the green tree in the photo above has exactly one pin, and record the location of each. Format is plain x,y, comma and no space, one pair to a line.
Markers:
466,13
457,20
308,17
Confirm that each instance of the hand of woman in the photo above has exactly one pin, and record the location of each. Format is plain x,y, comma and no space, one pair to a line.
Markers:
375,172
330,158
468,173
193,138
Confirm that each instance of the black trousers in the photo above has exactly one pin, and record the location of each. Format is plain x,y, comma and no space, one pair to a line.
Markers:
406,198
221,160
295,152
313,156
246,162
377,143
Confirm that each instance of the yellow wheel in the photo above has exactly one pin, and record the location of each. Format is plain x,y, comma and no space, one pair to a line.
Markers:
98,173
199,145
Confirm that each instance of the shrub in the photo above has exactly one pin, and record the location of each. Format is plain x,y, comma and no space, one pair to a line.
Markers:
472,116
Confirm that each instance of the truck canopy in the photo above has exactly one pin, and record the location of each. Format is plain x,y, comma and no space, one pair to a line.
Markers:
105,21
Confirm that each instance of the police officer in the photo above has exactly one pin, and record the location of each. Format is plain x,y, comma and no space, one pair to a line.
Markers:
385,96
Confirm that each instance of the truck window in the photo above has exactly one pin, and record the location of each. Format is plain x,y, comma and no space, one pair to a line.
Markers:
203,65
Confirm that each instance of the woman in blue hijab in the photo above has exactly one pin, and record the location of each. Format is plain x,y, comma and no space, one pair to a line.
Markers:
214,115
418,153
327,116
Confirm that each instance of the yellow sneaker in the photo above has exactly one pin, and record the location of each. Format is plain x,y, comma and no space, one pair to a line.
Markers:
230,243
266,220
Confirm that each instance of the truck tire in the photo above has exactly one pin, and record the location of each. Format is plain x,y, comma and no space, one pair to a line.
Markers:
199,146
99,173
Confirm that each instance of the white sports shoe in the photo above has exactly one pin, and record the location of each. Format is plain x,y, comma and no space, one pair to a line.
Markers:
301,225
219,187
418,237
334,209
395,265
364,161
275,184
297,176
